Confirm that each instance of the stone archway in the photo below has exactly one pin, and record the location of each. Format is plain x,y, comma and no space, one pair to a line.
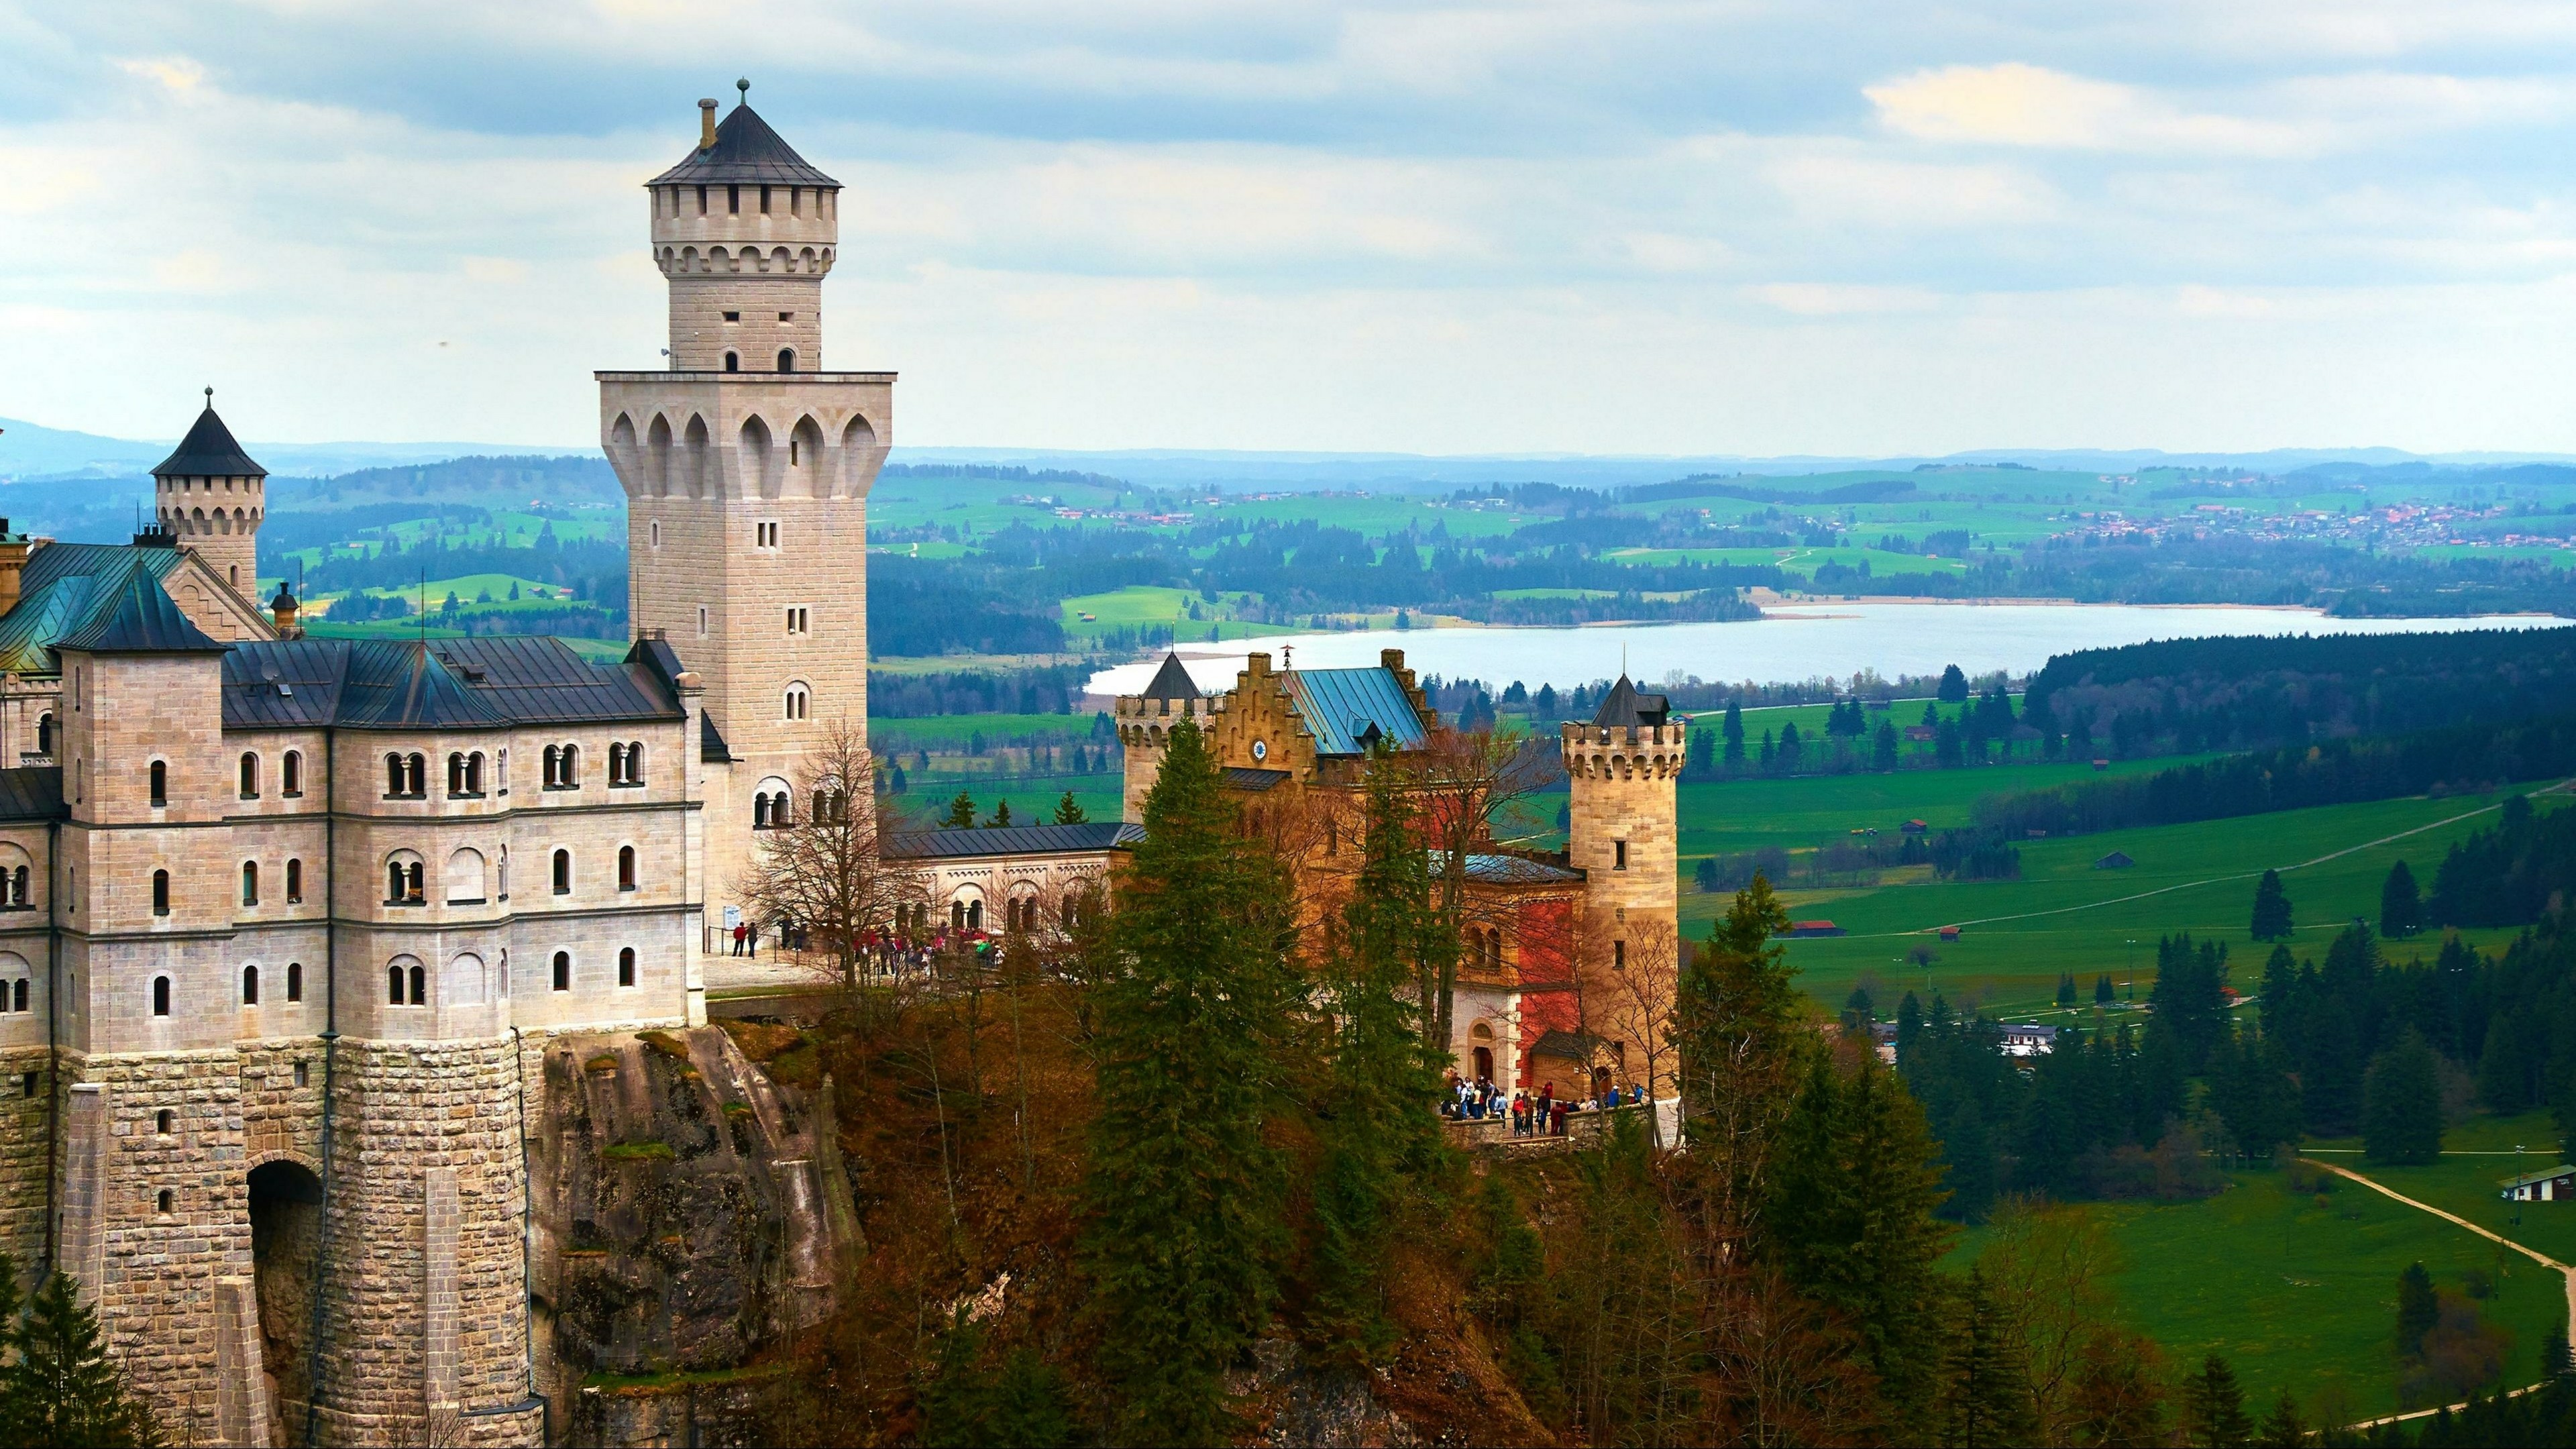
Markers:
285,1231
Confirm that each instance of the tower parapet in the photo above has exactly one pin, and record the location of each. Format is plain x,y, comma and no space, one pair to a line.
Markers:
1144,728
745,230
1623,816
210,494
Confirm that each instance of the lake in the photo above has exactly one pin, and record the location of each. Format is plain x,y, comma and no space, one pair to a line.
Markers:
1789,643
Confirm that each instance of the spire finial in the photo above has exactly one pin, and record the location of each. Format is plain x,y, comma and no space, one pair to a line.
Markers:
744,86
210,397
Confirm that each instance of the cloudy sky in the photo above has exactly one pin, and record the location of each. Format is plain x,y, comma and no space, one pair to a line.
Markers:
1734,227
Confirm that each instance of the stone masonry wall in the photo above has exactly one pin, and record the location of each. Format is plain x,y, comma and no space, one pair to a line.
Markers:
22,1157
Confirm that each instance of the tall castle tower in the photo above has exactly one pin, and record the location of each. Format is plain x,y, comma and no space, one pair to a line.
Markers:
1623,823
212,496
747,468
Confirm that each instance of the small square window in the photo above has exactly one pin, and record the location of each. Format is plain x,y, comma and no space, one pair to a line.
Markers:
786,316
733,316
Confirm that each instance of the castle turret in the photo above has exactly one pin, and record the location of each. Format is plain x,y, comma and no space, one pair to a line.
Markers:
1144,727
746,470
1623,821
212,496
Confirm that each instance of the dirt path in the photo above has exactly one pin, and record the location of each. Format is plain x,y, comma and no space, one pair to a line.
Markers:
2533,1254
2222,879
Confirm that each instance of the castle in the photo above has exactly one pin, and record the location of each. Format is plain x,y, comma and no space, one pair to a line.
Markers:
287,924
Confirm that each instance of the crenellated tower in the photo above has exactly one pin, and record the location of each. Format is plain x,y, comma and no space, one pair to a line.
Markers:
1623,820
746,469
210,493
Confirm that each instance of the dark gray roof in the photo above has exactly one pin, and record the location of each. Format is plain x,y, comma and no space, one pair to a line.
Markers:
1252,781
745,150
138,618
437,684
1171,681
209,452
1518,870
1339,707
1624,705
1578,1046
32,792
1016,840
712,748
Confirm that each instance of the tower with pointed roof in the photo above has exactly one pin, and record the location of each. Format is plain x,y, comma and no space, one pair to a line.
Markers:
1623,819
746,467
211,495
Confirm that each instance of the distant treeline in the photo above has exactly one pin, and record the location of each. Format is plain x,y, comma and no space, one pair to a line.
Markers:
570,477
2337,772
2510,875
1038,689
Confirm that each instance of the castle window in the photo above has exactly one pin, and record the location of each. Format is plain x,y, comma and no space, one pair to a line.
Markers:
161,894
1618,955
799,702
303,1072
800,621
250,882
474,773
294,882
702,201
626,867
733,317
465,877
403,879
764,201
160,783
764,535
416,775
249,776
626,966
656,531
786,316
16,881
160,996
45,734
795,199
163,1202
290,774
635,762
733,198
1618,855
733,362
419,981
295,992
563,872
455,774
563,971
787,363
250,986
702,621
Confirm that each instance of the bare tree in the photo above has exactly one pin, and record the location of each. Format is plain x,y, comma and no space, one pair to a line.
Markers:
1637,1005
1469,778
2047,1270
827,871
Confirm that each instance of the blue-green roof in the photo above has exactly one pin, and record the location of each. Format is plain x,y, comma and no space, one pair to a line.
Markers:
1339,706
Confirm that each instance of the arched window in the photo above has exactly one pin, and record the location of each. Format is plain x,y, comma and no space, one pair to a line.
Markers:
563,872
799,702
44,734
416,776
164,1202
957,915
404,879
563,971
290,774
635,762
626,966
294,882
160,996
419,984
17,880
617,764
455,773
250,882
393,776
393,986
160,892
295,981
733,362
249,776
474,773
165,1121
760,812
554,764
250,986
626,867
160,783
975,915
787,359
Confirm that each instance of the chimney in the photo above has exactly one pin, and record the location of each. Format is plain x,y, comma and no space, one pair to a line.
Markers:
13,565
707,124
282,608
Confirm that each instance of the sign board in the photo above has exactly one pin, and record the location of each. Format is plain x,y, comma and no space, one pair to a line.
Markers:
732,918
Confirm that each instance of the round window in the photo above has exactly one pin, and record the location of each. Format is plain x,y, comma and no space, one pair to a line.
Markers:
1261,749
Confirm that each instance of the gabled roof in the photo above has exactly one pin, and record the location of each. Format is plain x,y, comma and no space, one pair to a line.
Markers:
1518,870
133,615
745,150
1339,705
1624,705
1252,780
209,452
1085,839
32,792
433,684
1172,681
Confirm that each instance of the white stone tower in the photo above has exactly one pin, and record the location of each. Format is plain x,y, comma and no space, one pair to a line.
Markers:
1623,823
212,496
747,468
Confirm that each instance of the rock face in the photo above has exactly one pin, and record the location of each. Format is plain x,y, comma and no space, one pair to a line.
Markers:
690,1211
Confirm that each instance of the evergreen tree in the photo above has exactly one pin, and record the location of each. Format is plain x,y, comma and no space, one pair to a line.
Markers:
2213,1407
60,1388
2271,908
2284,1429
1882,754
1954,686
1947,750
2103,992
1068,811
1791,748
2418,1310
1733,729
2066,989
1739,1039
2401,910
1027,1403
1985,1393
1184,1200
2401,1104
961,813
1377,1134
1769,752
1001,816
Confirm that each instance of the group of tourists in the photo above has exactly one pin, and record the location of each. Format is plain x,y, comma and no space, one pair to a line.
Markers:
1539,1114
